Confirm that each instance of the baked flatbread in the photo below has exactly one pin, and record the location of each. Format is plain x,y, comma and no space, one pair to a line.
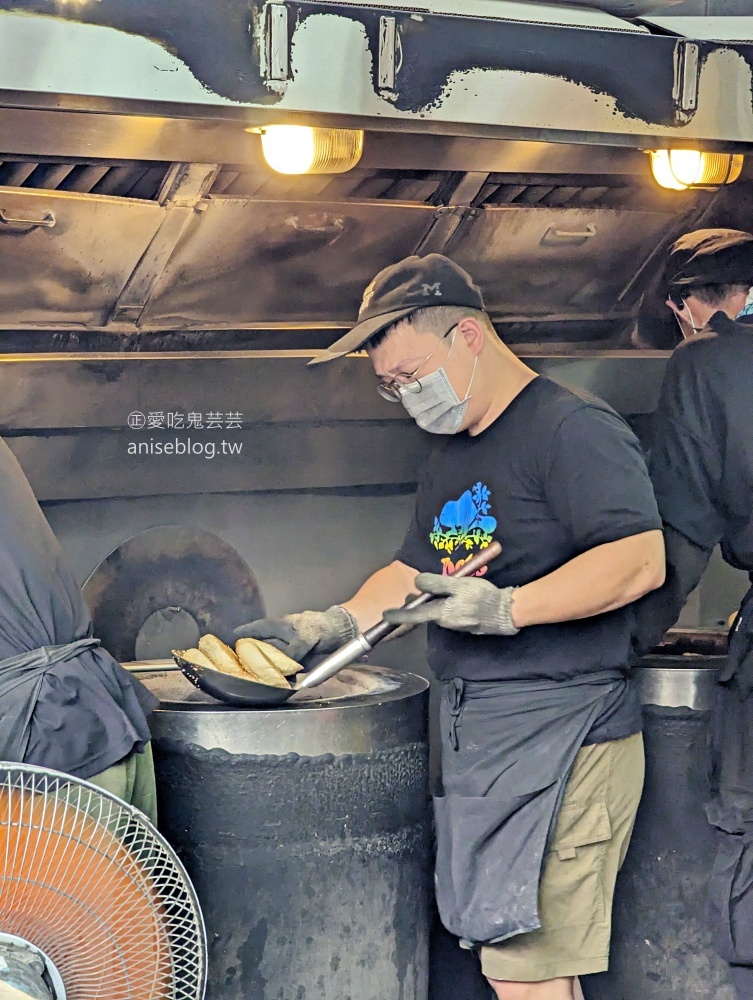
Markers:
253,659
222,657
194,656
285,664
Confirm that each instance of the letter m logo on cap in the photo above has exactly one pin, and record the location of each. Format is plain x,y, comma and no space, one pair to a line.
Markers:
367,296
435,289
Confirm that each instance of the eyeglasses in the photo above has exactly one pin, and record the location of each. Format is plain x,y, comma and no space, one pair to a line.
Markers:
389,389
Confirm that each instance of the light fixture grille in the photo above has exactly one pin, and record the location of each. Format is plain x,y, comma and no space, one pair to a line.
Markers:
681,169
720,168
90,882
336,150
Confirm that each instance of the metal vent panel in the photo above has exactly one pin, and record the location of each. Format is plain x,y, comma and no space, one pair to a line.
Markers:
141,179
250,263
66,257
245,181
559,263
528,190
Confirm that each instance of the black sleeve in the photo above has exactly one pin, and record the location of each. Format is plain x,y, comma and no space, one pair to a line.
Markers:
685,459
597,482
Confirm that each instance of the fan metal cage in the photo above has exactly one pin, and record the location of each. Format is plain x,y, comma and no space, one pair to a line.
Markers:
89,881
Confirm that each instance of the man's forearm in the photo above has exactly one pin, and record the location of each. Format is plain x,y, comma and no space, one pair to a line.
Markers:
604,578
658,611
387,588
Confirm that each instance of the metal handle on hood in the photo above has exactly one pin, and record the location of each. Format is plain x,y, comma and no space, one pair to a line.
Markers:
365,642
47,221
554,234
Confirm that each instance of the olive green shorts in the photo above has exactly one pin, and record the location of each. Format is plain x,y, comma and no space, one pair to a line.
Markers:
132,780
588,848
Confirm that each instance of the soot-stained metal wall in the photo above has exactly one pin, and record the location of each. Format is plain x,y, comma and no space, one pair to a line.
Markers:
317,493
459,71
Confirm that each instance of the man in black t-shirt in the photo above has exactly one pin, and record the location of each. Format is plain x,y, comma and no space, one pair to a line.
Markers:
542,757
702,471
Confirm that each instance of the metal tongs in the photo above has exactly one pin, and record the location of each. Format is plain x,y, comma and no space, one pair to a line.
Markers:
238,691
365,641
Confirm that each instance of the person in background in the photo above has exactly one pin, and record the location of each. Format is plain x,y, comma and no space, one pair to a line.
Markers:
701,466
542,753
66,704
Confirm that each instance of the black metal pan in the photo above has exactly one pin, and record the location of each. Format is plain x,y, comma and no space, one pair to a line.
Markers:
224,687
250,694
231,689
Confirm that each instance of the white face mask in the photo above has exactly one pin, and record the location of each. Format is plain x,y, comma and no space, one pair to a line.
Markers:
436,408
688,319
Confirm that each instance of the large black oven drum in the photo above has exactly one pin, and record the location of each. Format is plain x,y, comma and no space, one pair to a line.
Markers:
306,832
661,943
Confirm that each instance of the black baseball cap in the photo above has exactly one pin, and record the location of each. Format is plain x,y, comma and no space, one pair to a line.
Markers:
401,289
709,257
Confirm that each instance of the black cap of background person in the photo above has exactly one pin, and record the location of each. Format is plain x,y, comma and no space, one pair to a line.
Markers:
709,257
401,289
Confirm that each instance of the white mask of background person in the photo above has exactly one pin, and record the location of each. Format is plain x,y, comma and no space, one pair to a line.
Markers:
693,311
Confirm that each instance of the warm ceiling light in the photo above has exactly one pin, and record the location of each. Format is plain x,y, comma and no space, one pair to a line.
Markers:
680,169
298,149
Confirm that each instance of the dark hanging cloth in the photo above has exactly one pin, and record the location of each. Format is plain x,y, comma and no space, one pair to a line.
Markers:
730,810
702,470
66,703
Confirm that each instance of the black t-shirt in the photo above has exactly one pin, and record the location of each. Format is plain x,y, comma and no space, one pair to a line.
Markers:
702,442
556,474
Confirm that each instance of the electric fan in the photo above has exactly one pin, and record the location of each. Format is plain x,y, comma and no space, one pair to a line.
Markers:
93,901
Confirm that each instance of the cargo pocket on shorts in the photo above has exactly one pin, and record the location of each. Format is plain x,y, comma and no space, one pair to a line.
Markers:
573,885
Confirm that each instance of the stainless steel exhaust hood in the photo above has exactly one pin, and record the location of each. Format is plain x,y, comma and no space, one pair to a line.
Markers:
157,246
532,8
132,198
484,67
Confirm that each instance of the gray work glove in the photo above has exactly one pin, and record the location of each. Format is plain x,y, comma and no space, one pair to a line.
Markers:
466,604
304,634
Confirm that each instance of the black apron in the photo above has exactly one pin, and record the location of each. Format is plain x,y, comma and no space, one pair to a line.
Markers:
20,685
730,810
66,704
507,751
